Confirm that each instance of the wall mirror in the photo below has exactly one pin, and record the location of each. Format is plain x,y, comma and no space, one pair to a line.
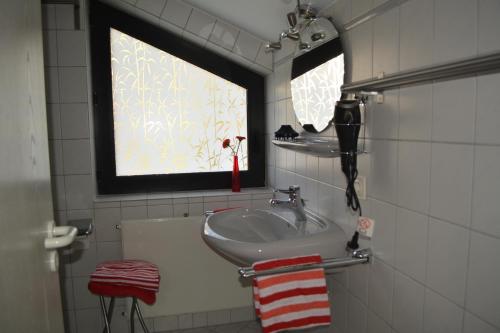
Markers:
318,72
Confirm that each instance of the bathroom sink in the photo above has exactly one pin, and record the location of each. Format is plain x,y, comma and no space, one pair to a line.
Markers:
244,236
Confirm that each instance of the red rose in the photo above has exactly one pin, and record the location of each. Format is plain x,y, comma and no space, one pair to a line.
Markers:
226,143
240,138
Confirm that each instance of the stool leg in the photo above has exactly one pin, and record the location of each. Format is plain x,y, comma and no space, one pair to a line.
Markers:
141,319
107,329
132,313
110,314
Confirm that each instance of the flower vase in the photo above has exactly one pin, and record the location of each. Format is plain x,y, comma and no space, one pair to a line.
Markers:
235,180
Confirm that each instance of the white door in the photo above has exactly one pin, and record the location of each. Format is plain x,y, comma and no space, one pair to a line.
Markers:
30,300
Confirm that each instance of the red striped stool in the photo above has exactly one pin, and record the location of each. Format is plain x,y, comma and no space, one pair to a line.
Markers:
125,278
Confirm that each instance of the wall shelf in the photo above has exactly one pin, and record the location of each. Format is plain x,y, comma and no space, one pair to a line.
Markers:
316,146
488,63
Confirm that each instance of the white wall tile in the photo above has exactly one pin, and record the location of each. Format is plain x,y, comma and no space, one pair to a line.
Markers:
107,251
473,324
154,7
385,116
167,323
451,182
485,208
312,166
376,325
384,168
454,110
455,29
263,58
415,113
414,175
358,281
76,154
441,315
384,235
67,294
88,320
73,84
360,39
386,43
65,17
177,12
360,7
75,121
79,191
411,243
483,290
84,261
200,23
160,211
356,316
416,34
56,157
408,305
339,301
488,117
49,48
224,35
218,317
52,84
325,170
71,48
48,17
58,192
488,40
134,213
447,259
340,11
106,220
54,121
84,299
381,290
248,46
325,200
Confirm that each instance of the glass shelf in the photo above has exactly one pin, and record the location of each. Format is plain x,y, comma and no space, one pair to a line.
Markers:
321,147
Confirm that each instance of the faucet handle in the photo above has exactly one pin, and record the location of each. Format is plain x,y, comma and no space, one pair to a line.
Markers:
291,190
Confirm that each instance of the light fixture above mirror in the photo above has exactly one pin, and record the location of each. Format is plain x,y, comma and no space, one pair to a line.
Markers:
305,27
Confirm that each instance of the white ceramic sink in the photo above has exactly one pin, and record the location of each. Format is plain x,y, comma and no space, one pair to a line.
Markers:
244,236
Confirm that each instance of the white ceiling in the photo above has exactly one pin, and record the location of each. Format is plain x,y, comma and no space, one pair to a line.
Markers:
264,18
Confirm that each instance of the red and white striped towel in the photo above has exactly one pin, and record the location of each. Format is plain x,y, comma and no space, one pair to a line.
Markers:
131,273
291,301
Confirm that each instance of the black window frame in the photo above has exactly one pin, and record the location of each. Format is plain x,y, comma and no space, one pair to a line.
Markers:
102,19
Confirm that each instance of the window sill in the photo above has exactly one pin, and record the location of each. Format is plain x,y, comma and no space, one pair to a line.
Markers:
246,193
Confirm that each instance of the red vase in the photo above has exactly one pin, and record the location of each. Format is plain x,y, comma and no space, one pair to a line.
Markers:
236,175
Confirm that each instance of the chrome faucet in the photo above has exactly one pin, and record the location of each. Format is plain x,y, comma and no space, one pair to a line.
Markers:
294,202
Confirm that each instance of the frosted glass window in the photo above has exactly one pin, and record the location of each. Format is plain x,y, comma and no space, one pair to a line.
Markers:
315,93
170,116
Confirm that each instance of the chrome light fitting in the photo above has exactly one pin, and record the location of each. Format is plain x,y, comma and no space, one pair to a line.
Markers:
299,22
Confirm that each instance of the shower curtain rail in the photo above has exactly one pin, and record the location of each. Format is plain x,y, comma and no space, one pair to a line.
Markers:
487,63
358,257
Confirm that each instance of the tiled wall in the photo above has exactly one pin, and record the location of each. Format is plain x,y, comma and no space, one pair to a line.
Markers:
432,173
70,132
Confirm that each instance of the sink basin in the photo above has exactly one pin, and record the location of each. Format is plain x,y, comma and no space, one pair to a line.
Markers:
244,236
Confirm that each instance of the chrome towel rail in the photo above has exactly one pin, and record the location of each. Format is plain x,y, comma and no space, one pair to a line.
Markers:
361,256
486,63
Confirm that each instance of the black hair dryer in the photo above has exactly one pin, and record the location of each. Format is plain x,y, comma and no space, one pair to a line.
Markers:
347,120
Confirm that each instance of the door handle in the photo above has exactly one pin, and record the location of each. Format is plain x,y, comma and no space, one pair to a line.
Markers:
59,236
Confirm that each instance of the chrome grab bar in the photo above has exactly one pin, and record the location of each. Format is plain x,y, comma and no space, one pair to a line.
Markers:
361,256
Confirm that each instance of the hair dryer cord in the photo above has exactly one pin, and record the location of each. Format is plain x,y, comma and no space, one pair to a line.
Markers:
351,173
